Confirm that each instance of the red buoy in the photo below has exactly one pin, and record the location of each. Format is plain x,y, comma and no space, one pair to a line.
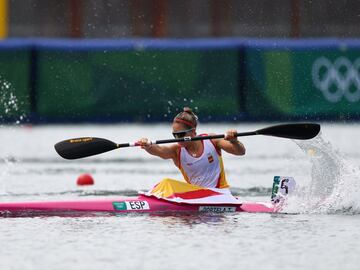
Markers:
85,179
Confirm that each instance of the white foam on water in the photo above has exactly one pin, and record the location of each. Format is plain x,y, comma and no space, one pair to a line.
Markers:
335,182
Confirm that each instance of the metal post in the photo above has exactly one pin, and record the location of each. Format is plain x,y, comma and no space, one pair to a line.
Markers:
159,23
76,17
221,23
295,18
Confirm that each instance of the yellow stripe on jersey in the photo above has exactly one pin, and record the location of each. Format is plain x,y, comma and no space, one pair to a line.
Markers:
222,179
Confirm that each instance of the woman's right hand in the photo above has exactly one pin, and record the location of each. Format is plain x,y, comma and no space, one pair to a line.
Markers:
144,143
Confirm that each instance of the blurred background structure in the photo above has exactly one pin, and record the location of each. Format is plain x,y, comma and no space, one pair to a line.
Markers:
142,60
186,18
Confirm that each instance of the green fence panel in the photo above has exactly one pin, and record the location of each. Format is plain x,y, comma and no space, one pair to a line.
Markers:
137,85
303,83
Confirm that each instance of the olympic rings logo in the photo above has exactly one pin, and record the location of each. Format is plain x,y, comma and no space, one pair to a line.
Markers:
337,80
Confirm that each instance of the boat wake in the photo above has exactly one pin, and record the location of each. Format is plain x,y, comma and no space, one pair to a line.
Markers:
335,183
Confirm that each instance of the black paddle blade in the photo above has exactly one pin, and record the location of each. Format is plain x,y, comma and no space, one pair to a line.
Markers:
298,131
83,147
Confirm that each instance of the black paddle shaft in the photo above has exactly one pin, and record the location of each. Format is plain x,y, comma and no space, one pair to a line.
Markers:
90,146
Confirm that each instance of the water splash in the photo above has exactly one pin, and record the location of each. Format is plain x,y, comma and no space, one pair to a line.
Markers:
9,104
335,182
7,100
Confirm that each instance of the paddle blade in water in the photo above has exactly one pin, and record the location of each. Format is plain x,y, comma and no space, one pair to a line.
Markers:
83,147
298,131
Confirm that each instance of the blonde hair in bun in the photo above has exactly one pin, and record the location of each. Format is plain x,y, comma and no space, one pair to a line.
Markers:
187,117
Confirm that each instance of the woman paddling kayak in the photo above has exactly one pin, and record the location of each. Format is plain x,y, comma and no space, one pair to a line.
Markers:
200,162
